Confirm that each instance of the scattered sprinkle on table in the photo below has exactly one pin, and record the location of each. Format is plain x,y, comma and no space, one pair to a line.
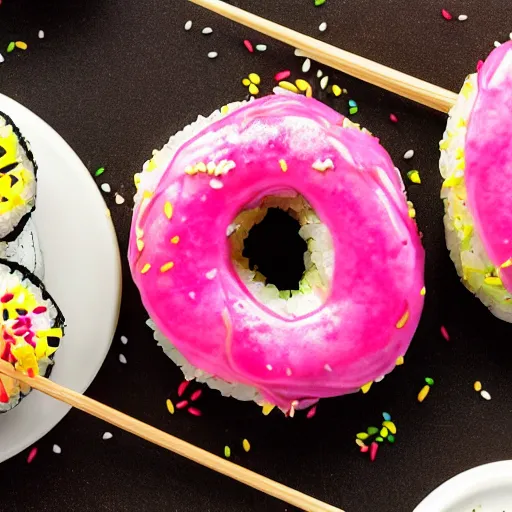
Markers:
462,17
446,15
306,66
248,45
1,58
311,412
21,45
40,34
119,198
10,47
188,25
169,405
373,451
32,455
477,386
207,30
106,436
497,44
444,333
196,395
282,75
353,108
318,3
319,73
261,47
57,449
99,171
212,55
423,393
182,387
408,154
336,90
485,394
429,381
227,452
182,404
386,416
124,340
246,445
324,81
194,411
298,53
323,26
122,359
393,118
414,176
106,188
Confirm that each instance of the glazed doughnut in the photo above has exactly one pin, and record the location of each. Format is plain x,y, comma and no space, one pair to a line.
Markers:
476,164
180,255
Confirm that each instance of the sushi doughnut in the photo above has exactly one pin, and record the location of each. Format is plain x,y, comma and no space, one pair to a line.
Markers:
476,164
17,180
31,329
361,295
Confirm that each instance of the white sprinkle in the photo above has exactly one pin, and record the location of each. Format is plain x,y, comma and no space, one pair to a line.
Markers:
323,27
327,367
188,25
211,273
318,165
324,82
231,229
57,449
510,35
207,30
408,154
299,53
379,379
462,17
306,66
269,367
203,198
216,184
289,372
192,295
122,359
497,44
261,47
119,199
319,73
485,394
40,34
1,58
105,187
124,340
212,55
107,436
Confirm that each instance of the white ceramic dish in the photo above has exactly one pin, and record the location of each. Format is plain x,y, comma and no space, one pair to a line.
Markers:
82,272
486,488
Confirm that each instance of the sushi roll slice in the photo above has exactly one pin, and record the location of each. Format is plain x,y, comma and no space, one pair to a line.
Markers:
17,180
31,329
476,164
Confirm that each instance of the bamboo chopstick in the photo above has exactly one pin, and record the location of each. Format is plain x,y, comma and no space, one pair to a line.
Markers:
359,67
174,444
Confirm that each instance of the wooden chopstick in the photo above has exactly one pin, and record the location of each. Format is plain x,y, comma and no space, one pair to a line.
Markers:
174,444
359,67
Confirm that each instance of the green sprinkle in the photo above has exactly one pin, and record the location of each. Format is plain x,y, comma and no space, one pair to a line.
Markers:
391,438
372,431
353,110
227,452
11,46
429,381
362,436
319,3
99,171
379,439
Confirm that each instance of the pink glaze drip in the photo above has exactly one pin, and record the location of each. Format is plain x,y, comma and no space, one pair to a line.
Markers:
489,159
378,272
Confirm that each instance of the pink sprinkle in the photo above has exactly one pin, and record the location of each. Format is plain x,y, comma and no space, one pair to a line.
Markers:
373,451
39,310
182,387
248,45
446,14
182,404
393,118
195,395
445,334
282,75
7,297
311,412
364,449
194,411
479,65
32,455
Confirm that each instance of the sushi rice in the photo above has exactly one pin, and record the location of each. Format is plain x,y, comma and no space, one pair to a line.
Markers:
473,265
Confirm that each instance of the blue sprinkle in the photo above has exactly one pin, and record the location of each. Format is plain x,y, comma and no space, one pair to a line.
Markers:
386,416
352,103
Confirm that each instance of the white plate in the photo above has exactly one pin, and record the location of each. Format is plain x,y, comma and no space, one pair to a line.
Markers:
82,273
486,488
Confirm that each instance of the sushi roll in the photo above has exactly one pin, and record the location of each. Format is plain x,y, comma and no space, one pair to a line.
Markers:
31,329
17,180
351,317
476,164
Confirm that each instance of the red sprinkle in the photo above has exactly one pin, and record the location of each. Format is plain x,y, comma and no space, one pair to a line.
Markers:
364,449
30,373
479,65
182,387
195,395
4,397
39,310
182,404
194,411
7,297
393,118
248,45
445,334
32,455
282,75
311,412
373,450
446,14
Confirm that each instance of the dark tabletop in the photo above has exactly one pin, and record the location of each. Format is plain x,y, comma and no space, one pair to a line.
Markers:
115,78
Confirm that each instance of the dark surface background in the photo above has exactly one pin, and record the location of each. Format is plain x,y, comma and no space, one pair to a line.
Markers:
115,78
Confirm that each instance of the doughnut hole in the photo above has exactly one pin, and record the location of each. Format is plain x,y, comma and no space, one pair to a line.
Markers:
283,254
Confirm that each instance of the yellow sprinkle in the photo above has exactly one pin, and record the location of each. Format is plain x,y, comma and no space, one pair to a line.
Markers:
423,291
55,332
506,263
493,281
253,89
288,86
477,386
359,443
452,181
267,409
336,90
412,213
190,170
227,452
309,92
301,84
283,164
444,144
400,361
168,210
414,176
255,78
21,45
459,153
366,387
362,436
210,167
200,167
403,320
175,239
167,266
384,432
423,393
246,82
139,232
390,426
136,179
462,123
224,109
170,406
140,244
246,445
145,268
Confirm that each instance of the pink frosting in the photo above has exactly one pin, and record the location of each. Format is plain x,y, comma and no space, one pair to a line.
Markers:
206,311
488,154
